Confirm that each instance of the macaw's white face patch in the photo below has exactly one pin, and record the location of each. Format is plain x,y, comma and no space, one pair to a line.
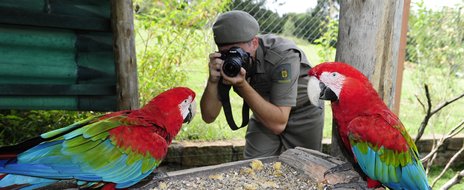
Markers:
333,80
314,91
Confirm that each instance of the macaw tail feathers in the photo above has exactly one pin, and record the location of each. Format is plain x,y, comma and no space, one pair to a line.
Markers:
406,173
12,181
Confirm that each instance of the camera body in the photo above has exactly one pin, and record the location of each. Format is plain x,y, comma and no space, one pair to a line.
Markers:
234,59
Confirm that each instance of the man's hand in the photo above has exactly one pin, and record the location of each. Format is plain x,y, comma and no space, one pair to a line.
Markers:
236,81
215,67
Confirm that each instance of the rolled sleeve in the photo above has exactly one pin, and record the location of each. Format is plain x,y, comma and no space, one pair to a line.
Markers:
284,78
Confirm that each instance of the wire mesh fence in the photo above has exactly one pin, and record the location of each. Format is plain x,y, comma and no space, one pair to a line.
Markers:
434,32
428,21
274,18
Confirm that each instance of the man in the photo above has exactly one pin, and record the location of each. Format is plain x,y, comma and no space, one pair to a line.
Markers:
282,117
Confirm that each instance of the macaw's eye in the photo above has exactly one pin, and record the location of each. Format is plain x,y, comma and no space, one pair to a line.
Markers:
334,74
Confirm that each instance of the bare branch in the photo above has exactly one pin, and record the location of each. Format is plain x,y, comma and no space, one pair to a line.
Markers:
456,130
426,119
420,102
444,104
448,165
450,134
434,155
455,180
430,112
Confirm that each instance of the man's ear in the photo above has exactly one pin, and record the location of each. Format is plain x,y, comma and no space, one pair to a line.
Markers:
255,42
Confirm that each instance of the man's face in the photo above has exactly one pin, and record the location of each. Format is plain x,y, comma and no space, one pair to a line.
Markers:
249,47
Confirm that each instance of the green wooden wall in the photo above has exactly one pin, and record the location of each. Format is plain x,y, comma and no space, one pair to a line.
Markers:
57,54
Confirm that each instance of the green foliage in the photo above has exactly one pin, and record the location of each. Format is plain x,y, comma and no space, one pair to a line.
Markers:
289,27
17,126
307,25
328,40
435,51
169,34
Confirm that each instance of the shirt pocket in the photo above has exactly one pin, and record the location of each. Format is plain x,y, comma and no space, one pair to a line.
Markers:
262,84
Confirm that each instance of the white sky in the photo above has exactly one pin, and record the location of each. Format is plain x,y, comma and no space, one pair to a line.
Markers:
300,6
438,4
294,6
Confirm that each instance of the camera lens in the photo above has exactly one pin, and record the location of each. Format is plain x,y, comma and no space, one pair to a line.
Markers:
231,66
234,59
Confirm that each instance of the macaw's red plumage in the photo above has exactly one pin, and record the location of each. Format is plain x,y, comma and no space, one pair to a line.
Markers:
372,137
116,150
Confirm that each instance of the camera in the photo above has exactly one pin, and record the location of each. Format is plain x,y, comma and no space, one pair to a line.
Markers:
234,59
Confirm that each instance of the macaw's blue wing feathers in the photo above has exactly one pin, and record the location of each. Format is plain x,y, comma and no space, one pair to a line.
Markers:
28,181
78,155
392,165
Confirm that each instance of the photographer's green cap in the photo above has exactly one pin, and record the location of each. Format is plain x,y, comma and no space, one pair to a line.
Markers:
235,26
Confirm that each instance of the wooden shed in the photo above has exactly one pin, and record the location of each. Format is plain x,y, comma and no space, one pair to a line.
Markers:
67,55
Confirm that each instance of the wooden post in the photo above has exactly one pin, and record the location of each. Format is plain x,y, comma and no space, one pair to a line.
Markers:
402,55
122,22
369,38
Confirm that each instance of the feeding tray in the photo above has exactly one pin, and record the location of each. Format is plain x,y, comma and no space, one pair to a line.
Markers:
297,168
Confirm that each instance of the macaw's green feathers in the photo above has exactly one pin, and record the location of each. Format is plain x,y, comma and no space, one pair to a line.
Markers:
387,156
121,147
64,130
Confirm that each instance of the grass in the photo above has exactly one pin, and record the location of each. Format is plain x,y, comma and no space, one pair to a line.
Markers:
436,170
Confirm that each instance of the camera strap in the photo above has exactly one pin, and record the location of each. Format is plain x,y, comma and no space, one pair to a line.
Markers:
223,91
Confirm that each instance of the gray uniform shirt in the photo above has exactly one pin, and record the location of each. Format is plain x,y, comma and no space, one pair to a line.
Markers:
279,77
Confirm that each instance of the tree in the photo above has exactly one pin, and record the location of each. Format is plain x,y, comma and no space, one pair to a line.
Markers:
367,40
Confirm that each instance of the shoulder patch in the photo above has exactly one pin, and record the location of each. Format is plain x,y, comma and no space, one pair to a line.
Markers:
282,73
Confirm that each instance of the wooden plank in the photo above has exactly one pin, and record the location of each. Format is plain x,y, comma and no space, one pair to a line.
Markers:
97,103
122,22
86,8
18,17
315,164
94,42
56,90
82,103
401,56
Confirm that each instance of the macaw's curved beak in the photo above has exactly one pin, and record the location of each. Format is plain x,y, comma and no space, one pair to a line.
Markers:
327,93
191,113
318,91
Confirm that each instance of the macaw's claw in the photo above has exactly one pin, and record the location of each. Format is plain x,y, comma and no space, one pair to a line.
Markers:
347,186
339,168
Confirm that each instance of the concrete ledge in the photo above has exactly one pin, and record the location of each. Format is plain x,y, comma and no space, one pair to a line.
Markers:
188,154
